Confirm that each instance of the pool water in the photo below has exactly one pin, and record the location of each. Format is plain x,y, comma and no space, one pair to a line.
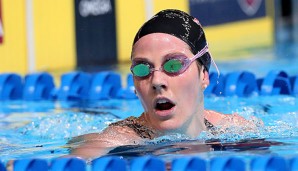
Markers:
42,129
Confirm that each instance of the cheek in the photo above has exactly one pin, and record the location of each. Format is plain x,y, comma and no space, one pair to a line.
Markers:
189,85
191,90
192,79
143,89
144,95
140,85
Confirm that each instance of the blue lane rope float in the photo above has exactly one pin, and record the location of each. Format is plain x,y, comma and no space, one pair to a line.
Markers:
188,164
227,163
128,92
30,165
11,86
294,84
74,86
68,164
147,163
2,167
275,83
241,84
109,163
38,86
264,163
107,85
293,164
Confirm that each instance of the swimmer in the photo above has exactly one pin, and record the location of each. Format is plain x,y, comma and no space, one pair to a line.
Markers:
170,66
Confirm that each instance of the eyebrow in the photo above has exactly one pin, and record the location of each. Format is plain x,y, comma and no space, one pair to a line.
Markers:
174,54
140,59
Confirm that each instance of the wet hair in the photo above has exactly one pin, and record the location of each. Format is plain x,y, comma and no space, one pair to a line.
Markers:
181,25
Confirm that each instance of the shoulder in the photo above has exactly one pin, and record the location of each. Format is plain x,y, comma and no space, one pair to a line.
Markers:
217,118
213,116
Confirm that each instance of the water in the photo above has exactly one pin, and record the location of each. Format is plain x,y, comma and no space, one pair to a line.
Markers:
42,129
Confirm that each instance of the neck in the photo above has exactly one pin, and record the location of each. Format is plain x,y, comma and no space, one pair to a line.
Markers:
191,128
195,125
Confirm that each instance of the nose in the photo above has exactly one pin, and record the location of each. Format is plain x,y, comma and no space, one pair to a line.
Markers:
159,81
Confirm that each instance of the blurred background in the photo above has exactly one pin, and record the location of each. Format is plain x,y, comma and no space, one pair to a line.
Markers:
64,35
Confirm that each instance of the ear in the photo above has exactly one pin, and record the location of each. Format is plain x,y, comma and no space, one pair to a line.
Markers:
205,80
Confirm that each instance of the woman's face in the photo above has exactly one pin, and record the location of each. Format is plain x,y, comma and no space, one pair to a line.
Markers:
171,103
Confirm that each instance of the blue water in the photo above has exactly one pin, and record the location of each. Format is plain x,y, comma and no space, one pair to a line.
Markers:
42,129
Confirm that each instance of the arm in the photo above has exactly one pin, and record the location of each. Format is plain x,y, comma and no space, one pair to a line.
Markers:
98,144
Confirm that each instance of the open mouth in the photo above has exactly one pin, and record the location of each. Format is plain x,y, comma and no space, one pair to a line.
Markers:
164,104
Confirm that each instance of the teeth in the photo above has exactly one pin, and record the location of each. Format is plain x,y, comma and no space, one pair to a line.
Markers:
162,101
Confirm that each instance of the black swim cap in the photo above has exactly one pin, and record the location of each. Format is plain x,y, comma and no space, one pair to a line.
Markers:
181,25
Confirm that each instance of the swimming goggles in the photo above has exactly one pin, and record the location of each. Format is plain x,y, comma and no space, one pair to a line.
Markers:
173,66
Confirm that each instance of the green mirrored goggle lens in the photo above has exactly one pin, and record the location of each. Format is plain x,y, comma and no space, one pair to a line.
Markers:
172,66
141,70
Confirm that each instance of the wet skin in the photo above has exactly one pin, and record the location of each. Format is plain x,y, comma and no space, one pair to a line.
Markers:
183,94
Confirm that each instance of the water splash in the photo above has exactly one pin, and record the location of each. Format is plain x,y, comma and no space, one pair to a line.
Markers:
66,125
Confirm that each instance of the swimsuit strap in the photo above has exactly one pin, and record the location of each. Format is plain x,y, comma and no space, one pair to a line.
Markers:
144,131
133,123
208,124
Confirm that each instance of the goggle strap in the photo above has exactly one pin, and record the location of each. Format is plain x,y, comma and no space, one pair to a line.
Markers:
202,52
214,64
